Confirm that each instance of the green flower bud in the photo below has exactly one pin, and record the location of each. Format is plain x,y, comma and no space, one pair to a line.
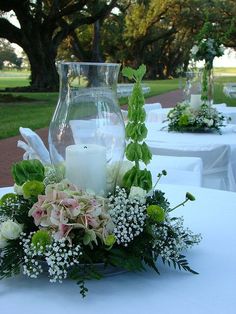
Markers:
32,188
8,198
41,239
156,213
110,240
190,197
164,172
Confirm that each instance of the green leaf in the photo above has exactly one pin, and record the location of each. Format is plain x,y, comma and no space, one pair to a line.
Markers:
27,170
130,178
146,154
144,179
141,71
128,72
134,151
126,260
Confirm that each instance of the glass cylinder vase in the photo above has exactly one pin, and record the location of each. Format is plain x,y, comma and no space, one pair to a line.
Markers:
87,132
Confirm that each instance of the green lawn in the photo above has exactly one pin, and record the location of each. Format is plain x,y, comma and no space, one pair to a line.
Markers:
219,96
37,114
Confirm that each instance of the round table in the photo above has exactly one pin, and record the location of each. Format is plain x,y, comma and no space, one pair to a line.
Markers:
212,291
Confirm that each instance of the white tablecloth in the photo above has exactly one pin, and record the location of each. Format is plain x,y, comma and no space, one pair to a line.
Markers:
212,291
229,112
159,138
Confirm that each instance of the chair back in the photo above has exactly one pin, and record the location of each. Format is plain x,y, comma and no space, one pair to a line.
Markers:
215,159
180,170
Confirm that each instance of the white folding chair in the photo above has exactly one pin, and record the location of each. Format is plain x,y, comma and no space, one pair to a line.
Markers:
153,106
217,173
180,170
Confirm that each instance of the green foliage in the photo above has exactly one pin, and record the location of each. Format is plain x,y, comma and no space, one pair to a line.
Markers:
15,207
136,132
11,258
7,53
137,177
181,263
158,197
27,170
136,75
126,259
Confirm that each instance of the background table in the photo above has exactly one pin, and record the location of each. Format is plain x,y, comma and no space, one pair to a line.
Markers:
212,291
159,137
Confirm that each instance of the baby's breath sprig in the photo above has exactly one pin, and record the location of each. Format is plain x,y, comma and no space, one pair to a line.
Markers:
59,256
128,216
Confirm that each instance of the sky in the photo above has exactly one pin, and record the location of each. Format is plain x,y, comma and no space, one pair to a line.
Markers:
227,60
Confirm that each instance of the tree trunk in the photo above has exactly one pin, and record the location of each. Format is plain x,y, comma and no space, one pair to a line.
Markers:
96,53
44,76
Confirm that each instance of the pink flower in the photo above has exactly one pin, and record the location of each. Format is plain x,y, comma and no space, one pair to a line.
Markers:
62,232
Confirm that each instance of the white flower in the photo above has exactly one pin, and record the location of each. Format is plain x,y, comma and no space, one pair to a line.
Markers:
18,189
137,193
3,241
194,49
10,229
113,169
210,122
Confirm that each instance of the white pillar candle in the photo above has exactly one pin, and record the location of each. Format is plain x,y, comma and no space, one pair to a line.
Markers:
195,101
86,167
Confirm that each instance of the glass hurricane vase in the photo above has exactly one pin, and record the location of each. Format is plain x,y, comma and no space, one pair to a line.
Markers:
87,133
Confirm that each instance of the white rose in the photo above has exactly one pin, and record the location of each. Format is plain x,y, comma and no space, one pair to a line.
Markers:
112,170
137,193
206,121
210,122
10,229
3,241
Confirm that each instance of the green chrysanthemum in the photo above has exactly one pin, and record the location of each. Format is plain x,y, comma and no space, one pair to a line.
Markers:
32,188
156,213
41,239
110,240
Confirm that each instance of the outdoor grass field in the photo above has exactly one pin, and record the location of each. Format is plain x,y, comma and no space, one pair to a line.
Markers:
36,109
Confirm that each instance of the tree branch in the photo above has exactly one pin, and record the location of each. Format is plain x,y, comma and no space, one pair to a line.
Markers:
67,29
10,32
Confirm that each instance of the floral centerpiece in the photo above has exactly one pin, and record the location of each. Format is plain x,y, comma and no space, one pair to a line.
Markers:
51,224
198,115
184,118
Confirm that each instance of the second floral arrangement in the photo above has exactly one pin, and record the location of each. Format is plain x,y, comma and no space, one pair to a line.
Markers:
184,118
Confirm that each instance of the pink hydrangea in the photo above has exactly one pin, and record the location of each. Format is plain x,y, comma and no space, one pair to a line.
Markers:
64,209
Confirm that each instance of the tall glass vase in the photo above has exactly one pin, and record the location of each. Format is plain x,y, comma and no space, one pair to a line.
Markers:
208,84
87,133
